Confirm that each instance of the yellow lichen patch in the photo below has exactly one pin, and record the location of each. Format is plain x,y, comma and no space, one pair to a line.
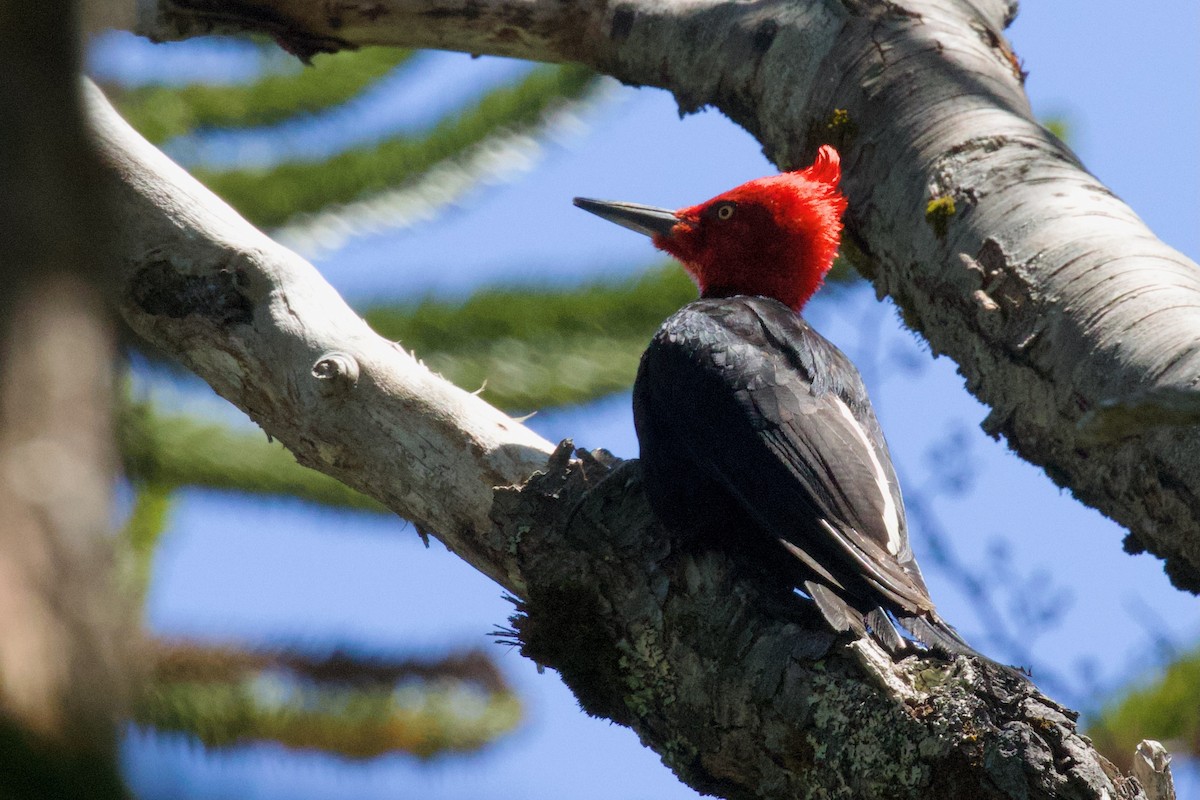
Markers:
938,213
839,122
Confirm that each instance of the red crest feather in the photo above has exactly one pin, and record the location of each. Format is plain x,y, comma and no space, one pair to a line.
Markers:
775,236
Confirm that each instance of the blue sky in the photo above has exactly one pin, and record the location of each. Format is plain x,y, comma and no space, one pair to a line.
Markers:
1127,81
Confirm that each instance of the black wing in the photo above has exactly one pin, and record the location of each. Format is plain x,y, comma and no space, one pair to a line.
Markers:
739,396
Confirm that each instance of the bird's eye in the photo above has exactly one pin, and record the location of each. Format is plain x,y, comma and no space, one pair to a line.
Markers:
725,211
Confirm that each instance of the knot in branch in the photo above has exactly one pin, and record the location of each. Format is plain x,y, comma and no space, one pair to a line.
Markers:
337,371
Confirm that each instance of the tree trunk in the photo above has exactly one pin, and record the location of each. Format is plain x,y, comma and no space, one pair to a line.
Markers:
1065,314
64,630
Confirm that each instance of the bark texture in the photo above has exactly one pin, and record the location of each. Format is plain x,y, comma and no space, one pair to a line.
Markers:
732,679
739,685
1065,314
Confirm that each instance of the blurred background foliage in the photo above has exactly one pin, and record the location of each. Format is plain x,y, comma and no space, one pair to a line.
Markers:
161,112
525,349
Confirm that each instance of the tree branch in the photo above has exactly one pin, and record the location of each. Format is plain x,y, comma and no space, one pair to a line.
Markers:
733,679
261,326
739,685
1049,292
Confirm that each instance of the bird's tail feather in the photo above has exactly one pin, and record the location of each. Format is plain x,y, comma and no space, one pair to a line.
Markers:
840,615
938,635
941,637
884,632
930,630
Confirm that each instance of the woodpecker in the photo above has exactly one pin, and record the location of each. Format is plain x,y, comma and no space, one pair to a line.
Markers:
752,424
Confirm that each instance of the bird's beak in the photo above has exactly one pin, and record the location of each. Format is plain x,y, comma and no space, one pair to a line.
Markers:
644,219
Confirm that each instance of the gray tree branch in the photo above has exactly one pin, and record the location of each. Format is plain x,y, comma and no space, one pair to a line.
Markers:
262,327
997,245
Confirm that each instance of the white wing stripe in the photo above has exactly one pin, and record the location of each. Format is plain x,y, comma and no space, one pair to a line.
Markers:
891,515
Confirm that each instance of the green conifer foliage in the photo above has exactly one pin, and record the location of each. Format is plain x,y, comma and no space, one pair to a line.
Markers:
161,112
147,520
533,350
270,197
170,451
1166,709
355,706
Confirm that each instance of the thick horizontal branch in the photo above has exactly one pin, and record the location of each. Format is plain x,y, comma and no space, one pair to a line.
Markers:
1049,292
566,31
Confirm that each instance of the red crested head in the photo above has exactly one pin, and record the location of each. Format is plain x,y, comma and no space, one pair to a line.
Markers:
775,236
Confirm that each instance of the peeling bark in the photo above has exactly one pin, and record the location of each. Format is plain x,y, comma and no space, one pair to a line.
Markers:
1065,314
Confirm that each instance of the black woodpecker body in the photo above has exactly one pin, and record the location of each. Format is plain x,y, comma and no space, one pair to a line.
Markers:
756,429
